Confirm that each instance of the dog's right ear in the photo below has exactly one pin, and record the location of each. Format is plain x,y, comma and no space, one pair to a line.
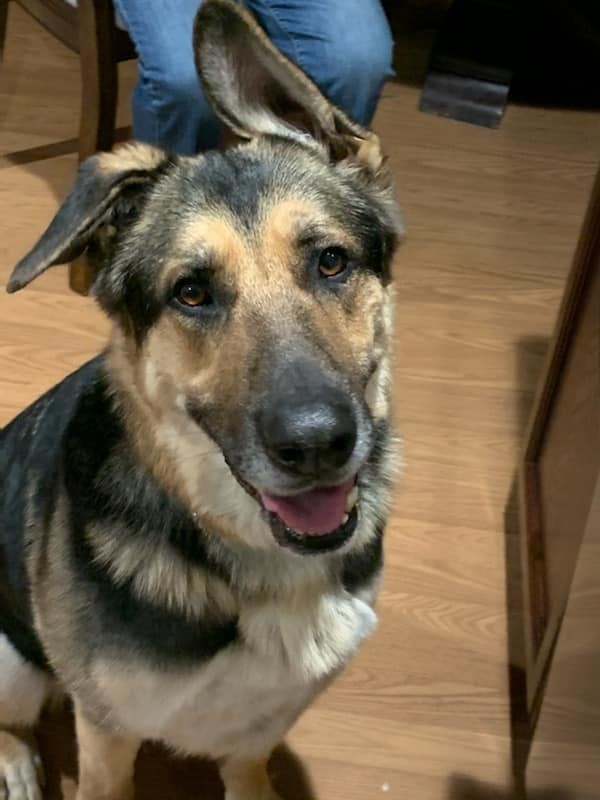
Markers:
107,192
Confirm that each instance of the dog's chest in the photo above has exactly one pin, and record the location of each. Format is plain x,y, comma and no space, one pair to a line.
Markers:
245,698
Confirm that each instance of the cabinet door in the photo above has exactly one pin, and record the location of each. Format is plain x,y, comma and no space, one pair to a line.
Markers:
565,753
561,463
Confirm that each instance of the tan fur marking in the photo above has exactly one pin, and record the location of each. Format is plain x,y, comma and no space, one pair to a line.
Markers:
160,575
284,223
247,780
378,391
136,407
369,153
215,235
130,156
285,219
10,747
106,762
352,333
164,438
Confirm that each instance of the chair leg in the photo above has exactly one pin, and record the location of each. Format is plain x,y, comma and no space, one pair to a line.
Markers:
3,17
99,91
99,76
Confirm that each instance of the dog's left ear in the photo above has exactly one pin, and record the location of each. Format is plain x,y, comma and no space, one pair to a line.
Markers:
257,91
107,193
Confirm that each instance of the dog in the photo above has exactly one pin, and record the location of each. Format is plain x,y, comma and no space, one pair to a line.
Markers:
191,523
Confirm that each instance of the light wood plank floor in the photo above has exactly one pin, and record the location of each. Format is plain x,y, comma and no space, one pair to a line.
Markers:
492,217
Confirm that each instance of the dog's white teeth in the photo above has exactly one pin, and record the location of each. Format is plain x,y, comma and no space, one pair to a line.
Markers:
346,518
352,498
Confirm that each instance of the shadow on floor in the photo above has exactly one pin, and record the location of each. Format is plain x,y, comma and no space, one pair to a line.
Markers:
530,360
465,788
159,775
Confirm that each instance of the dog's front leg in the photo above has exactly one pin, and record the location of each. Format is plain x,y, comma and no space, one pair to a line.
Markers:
247,780
106,762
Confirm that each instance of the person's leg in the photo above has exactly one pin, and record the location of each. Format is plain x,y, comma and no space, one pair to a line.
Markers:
169,108
345,46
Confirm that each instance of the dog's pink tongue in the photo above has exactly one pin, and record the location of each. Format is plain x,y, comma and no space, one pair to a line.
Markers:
315,512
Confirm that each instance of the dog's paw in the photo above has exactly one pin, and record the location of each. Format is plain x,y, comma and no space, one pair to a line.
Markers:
20,770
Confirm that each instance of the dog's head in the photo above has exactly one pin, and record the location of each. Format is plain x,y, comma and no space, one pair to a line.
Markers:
250,291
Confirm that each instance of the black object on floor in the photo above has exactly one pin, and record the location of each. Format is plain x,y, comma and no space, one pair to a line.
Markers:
545,52
473,61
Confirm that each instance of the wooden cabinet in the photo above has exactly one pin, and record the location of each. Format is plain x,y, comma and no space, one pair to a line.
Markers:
565,751
560,503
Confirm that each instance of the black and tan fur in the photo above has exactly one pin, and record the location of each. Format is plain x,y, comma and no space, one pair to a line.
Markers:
139,571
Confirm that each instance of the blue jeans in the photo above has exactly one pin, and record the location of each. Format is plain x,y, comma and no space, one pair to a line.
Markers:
344,45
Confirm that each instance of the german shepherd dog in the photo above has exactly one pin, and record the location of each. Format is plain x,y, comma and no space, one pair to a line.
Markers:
191,523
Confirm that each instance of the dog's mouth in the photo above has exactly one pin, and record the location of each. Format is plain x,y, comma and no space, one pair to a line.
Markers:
315,520
316,512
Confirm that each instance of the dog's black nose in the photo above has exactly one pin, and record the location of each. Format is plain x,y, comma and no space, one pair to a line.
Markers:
310,432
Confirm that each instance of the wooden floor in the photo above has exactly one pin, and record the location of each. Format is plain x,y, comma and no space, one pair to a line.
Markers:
492,216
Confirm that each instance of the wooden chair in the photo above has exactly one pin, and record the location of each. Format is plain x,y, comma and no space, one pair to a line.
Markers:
87,28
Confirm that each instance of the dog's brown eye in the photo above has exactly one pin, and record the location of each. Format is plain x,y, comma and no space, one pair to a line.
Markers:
192,294
332,262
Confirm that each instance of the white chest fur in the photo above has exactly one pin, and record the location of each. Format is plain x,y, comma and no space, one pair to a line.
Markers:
245,698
